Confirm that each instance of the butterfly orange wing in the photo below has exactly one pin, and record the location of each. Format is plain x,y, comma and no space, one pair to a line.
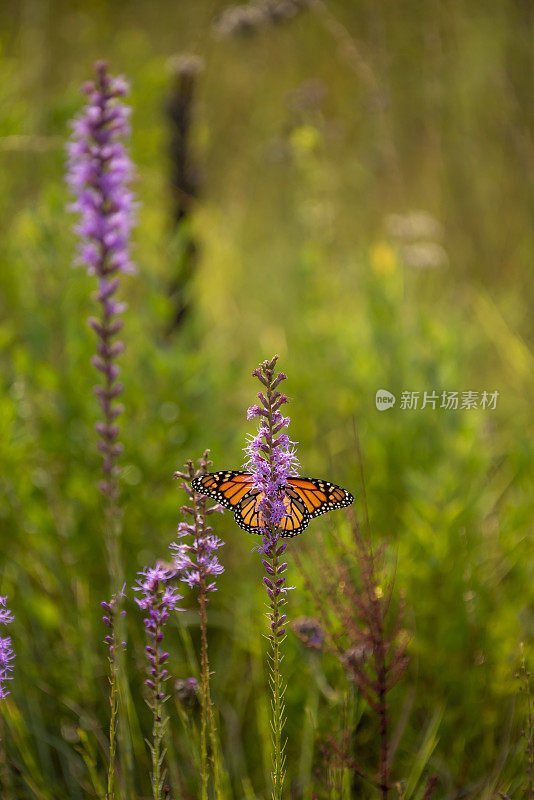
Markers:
305,498
228,487
248,516
318,496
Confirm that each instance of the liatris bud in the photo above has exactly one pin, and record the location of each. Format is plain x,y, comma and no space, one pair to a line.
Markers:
245,20
186,692
108,619
309,631
6,651
99,174
355,657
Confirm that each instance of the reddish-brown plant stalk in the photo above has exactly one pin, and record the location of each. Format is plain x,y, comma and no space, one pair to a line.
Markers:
360,630
524,676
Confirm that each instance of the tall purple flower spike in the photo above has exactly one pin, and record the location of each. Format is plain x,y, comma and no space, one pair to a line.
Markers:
195,557
157,599
99,174
197,564
6,651
271,459
271,456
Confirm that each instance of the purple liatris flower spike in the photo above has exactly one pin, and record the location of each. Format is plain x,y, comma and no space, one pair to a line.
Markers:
194,556
157,598
271,456
271,459
197,564
7,655
99,174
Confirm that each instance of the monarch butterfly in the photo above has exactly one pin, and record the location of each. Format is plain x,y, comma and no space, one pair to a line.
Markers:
305,498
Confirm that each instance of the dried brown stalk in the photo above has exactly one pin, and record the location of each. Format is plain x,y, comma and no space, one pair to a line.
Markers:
361,630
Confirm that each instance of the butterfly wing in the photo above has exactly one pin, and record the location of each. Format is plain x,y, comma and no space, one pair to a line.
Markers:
234,490
228,487
318,496
305,498
248,516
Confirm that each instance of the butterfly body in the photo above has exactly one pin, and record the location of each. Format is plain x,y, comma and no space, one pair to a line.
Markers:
305,498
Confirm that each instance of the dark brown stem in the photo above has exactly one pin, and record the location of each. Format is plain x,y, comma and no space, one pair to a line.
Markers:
184,180
384,731
375,661
5,778
380,651
348,763
430,787
525,675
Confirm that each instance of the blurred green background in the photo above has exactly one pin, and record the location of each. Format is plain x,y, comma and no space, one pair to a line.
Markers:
365,210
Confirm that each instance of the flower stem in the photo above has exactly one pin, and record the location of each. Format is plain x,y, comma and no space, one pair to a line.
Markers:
204,692
278,599
214,749
119,688
113,702
278,689
157,731
207,718
5,778
158,599
198,566
384,734
271,458
112,620
529,751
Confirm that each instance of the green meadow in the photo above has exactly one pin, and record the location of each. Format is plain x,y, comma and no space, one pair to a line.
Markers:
363,206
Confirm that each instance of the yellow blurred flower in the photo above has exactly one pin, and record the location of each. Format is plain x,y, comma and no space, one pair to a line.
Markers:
383,258
305,139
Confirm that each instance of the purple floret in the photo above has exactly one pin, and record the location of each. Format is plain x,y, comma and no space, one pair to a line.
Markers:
7,655
99,173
